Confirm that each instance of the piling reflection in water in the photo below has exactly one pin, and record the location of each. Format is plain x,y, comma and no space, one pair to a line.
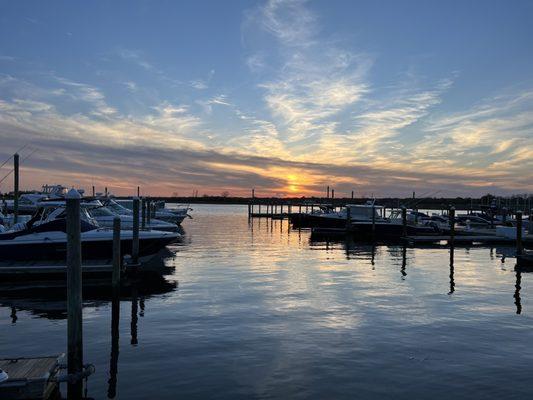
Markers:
517,299
263,301
47,299
452,270
113,359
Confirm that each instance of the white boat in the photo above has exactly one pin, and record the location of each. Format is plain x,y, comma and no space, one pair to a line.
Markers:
44,237
166,214
104,212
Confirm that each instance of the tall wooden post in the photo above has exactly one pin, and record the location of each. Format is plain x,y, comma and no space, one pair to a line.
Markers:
452,224
327,193
348,218
148,211
74,295
143,214
138,191
373,222
116,253
519,248
105,191
94,193
332,194
135,238
352,194
253,193
16,161
404,221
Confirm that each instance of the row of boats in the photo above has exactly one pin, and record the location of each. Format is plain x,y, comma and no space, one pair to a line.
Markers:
40,230
371,220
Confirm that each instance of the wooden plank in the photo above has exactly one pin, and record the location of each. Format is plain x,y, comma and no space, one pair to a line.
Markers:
28,368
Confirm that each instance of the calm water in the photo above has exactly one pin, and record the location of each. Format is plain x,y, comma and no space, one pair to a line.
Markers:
260,311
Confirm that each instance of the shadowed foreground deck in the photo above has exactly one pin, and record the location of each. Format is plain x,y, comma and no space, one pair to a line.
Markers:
29,378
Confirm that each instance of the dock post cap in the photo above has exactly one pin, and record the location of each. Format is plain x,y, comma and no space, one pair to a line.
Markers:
73,194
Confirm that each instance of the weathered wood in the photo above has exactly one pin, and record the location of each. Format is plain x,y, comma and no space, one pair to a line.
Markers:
135,238
519,248
452,223
143,214
29,378
404,221
16,159
74,295
148,211
116,253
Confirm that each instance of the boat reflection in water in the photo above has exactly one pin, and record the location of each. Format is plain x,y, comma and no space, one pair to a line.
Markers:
47,299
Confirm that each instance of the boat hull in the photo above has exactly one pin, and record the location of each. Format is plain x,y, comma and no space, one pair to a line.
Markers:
91,249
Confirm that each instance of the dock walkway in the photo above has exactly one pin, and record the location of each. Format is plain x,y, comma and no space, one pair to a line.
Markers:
29,378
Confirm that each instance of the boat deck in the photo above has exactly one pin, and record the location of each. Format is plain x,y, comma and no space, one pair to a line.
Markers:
29,378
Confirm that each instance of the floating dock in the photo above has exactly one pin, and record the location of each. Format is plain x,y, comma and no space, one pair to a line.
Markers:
30,378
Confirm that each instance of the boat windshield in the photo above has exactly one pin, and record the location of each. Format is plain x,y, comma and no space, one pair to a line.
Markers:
100,212
117,208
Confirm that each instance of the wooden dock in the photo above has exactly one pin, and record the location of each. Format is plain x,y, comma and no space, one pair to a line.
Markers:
465,239
461,239
30,378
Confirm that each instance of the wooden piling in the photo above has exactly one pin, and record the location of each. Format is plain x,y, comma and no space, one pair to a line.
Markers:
138,191
530,230
332,194
348,217
373,222
148,211
135,238
327,193
74,295
16,163
116,253
452,224
404,221
519,247
94,193
105,191
143,214
352,194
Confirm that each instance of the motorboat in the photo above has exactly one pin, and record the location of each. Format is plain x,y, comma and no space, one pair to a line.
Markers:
29,202
44,237
105,211
172,215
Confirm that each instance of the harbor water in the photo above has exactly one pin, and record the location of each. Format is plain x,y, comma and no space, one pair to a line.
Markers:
255,310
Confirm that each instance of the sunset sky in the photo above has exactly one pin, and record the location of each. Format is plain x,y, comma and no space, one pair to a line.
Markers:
380,97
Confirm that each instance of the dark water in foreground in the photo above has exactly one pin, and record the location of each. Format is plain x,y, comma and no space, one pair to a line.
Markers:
263,312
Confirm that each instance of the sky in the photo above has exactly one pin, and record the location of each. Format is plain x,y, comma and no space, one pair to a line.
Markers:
284,96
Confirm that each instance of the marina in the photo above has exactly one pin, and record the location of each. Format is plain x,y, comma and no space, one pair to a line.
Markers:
266,199
341,305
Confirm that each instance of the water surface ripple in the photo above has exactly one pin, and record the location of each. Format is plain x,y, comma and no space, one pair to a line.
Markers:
262,311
